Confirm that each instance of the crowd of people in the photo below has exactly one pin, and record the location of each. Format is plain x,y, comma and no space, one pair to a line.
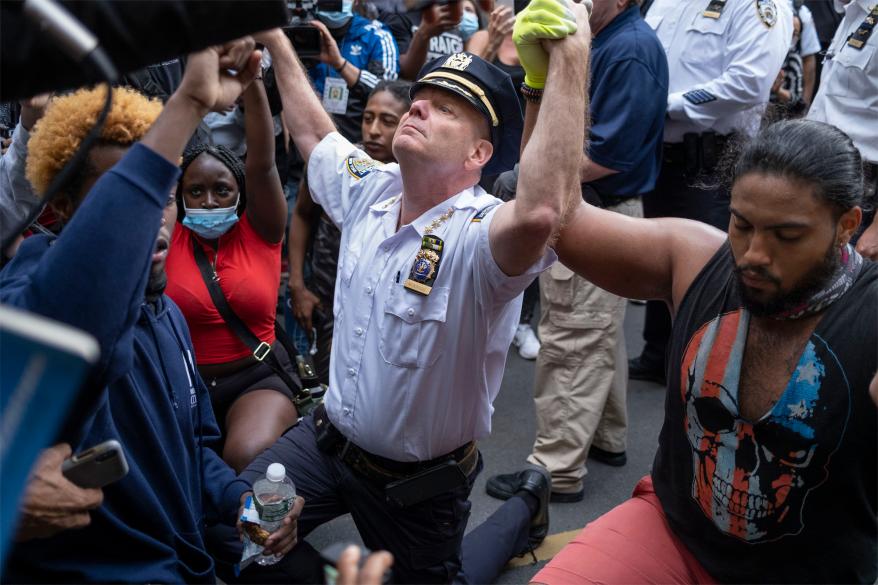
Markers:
384,216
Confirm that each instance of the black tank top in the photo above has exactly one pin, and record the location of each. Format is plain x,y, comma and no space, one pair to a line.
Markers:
790,498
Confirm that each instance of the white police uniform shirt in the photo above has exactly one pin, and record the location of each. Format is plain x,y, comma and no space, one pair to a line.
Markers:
730,62
412,377
810,42
848,94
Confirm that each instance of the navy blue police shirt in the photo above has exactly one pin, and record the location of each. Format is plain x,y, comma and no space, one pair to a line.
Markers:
629,97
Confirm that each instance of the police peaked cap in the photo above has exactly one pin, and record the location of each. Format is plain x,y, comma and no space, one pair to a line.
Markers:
489,89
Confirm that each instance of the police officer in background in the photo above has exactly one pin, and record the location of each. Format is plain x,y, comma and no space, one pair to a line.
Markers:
848,99
428,295
724,56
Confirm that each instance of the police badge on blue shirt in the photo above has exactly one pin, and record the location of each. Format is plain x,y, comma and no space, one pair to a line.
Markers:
426,266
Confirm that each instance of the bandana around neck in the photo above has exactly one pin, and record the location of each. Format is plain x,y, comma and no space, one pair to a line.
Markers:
839,283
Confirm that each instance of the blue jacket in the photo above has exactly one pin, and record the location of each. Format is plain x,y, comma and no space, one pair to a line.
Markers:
371,48
151,524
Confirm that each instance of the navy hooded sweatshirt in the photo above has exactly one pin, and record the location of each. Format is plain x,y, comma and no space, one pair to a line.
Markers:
150,527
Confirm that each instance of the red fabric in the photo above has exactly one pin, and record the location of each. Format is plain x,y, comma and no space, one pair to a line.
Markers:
632,543
249,271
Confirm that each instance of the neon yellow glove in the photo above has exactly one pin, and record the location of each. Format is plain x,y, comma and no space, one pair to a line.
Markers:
542,19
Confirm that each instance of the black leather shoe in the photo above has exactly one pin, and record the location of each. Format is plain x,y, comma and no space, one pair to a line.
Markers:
607,457
537,481
503,486
567,497
647,370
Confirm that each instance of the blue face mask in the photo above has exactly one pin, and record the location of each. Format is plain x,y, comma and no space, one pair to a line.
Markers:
337,18
211,223
469,24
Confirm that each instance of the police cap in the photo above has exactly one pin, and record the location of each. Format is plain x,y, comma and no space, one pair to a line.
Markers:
490,90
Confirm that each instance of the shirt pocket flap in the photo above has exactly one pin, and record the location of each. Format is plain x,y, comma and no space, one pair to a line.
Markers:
709,26
412,307
858,59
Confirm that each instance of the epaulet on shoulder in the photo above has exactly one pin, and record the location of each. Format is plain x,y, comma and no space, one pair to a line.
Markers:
480,215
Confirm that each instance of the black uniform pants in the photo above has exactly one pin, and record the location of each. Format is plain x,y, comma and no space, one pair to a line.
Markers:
678,193
425,538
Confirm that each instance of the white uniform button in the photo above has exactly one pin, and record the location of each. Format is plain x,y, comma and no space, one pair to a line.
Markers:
352,372
346,411
368,290
358,330
411,312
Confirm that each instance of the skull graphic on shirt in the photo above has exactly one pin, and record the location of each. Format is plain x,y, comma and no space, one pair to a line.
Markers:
751,478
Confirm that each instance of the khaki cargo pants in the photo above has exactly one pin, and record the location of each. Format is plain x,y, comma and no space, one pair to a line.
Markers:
581,372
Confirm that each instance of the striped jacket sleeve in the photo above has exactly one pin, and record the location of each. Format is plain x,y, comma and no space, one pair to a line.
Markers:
383,60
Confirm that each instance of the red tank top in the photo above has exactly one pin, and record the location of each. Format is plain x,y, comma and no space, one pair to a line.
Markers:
249,271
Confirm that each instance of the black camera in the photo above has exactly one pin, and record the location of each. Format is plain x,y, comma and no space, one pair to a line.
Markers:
304,37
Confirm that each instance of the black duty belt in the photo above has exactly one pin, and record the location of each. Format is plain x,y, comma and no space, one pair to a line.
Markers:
591,196
380,469
697,152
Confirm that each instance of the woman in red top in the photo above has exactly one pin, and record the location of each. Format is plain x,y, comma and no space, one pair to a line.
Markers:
243,245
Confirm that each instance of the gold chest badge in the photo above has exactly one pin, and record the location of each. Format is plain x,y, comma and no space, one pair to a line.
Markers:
426,265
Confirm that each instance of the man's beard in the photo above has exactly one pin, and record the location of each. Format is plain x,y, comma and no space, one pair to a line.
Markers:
155,286
817,280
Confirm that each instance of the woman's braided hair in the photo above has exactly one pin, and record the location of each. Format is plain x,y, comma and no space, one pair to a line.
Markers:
223,154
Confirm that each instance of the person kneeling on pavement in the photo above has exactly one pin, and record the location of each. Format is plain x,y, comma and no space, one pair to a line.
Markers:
427,255
105,274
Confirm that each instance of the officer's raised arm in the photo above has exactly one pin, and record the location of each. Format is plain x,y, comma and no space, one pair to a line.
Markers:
553,40
303,113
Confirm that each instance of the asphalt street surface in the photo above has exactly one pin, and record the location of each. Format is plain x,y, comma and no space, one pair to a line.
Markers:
511,441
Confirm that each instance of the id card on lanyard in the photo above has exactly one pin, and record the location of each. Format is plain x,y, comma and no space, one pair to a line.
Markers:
335,95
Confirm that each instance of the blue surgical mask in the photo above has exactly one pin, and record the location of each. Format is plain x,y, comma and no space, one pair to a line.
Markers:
211,223
469,24
337,18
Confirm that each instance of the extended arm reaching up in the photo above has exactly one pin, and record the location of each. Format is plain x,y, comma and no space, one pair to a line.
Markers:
303,113
524,227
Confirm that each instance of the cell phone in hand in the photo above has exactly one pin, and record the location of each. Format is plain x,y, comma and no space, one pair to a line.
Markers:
96,467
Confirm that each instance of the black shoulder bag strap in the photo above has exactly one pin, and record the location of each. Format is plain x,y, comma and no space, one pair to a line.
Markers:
261,350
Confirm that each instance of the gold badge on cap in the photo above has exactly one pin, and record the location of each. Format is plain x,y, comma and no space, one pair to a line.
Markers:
458,61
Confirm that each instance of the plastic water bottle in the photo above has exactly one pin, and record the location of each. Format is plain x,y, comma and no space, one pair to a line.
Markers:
274,495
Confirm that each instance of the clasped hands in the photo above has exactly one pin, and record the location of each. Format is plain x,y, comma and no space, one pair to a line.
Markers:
540,26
